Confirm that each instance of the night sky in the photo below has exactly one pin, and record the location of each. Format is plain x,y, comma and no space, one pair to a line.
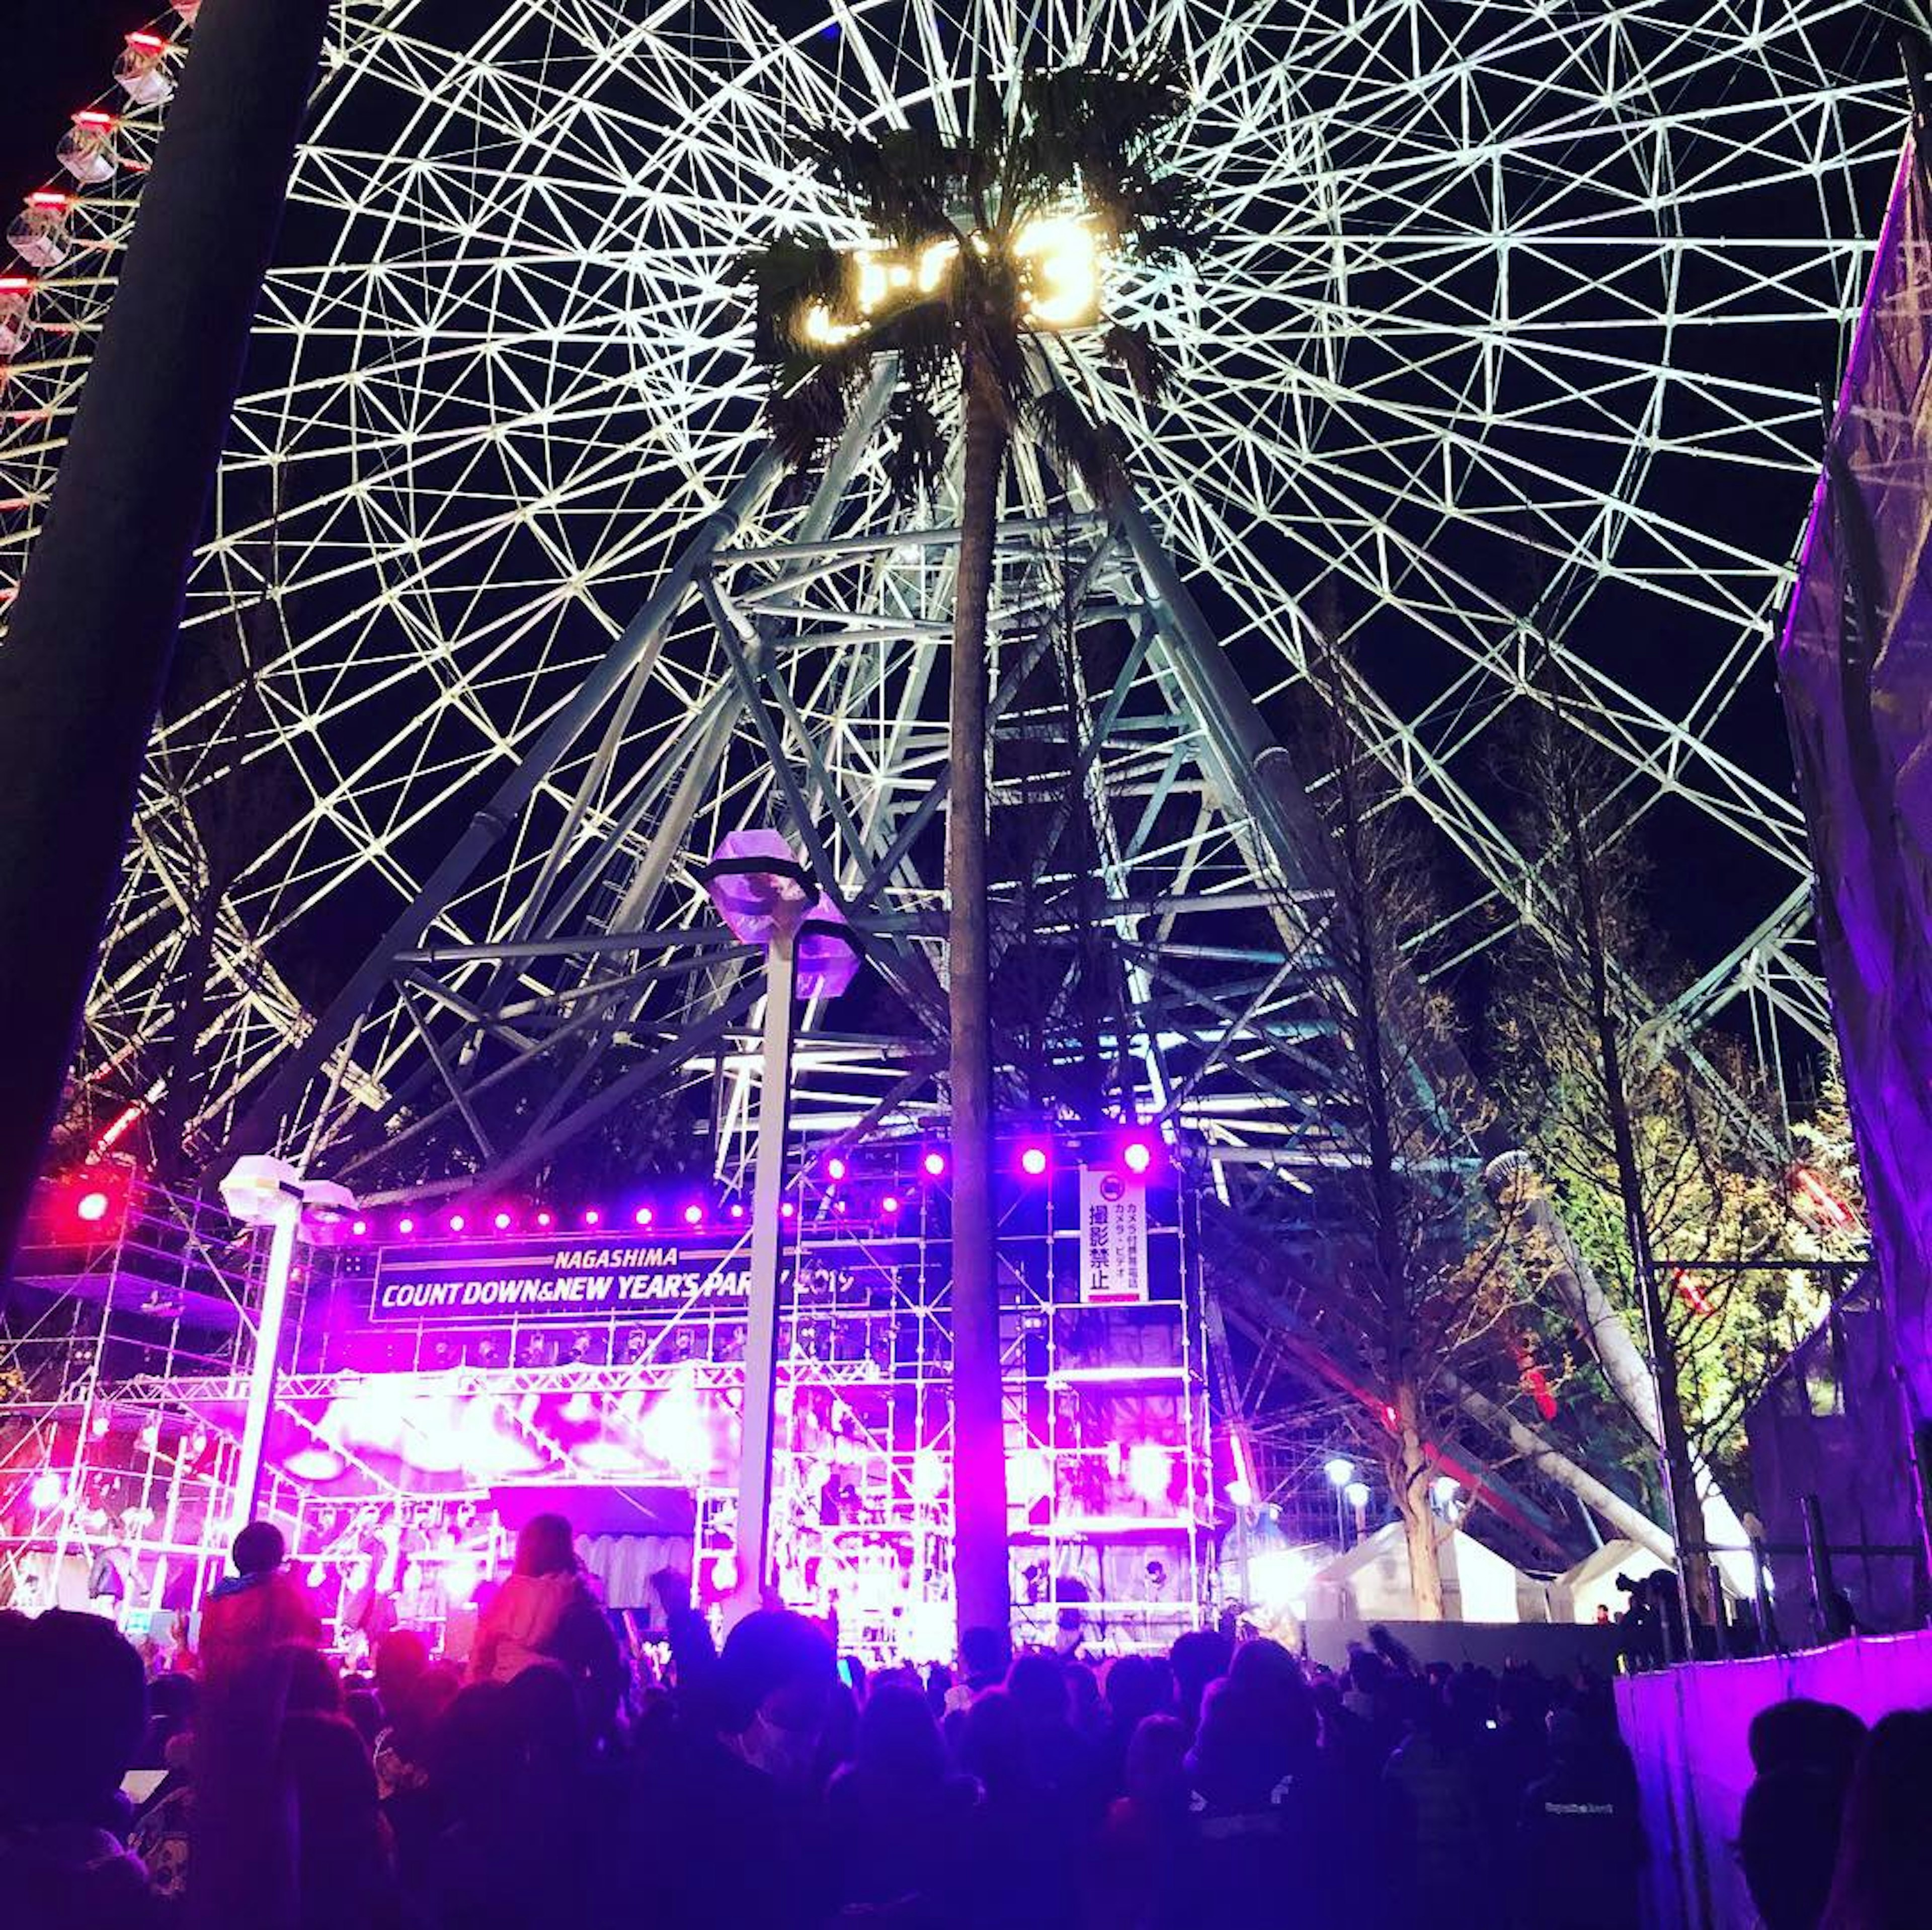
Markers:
61,56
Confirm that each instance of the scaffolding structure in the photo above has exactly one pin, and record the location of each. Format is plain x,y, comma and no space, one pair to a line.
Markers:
433,1373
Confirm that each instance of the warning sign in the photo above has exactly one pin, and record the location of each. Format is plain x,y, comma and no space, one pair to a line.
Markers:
1113,1238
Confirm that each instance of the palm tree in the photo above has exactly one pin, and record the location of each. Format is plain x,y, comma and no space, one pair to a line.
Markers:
962,218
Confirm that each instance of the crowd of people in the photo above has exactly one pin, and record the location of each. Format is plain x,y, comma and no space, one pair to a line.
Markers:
552,1781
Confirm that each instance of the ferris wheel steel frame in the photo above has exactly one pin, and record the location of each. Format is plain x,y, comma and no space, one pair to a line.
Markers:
534,218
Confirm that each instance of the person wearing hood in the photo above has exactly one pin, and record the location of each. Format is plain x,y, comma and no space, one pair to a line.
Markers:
546,1613
259,1609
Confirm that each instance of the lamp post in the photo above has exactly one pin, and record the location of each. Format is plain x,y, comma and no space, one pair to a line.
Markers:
1339,1471
261,1191
1356,1494
766,897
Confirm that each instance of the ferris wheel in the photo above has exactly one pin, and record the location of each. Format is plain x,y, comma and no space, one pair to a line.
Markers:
1508,331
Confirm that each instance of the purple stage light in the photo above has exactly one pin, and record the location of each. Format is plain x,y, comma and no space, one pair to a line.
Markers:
457,1223
643,1216
693,1214
1137,1155
1033,1161
737,1211
359,1227
787,1209
835,1168
543,1219
890,1204
406,1226
591,1216
933,1164
502,1223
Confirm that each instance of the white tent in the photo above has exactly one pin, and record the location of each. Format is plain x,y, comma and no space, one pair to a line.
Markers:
1578,1591
1370,1582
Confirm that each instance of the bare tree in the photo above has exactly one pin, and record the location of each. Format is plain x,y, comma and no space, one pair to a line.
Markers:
1672,1202
1423,1294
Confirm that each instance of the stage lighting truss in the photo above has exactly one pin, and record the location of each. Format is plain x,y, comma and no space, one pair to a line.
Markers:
123,1395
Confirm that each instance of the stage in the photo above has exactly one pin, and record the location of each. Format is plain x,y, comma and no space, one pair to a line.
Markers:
444,1374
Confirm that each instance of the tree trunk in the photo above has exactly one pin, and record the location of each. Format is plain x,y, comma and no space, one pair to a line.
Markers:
981,1577
1409,1479
1680,1483
88,646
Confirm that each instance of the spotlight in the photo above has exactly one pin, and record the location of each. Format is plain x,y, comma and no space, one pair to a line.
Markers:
934,1164
1356,1494
457,1223
890,1204
359,1227
693,1214
1339,1470
737,1210
592,1216
1149,1469
406,1226
1137,1155
787,1209
91,1207
1033,1161
502,1223
835,1168
643,1216
46,1490
543,1219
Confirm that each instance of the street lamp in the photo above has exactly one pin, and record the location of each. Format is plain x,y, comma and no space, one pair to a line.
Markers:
766,897
1339,1471
1356,1494
263,1191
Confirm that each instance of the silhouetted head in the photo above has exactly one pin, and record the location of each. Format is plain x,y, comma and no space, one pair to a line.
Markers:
77,1705
984,1654
1801,1734
1157,1765
898,1741
401,1658
1884,1871
1037,1685
544,1546
1138,1686
777,1678
259,1549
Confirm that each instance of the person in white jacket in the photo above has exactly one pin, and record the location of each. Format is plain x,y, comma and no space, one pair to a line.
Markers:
547,1613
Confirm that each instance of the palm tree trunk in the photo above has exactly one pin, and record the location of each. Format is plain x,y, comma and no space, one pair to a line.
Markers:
93,628
981,1578
1409,1478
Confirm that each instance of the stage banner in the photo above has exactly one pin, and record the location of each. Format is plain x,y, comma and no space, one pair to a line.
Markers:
1113,1239
546,1278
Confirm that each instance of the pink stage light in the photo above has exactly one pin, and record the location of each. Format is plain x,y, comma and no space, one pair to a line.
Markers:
591,1216
1137,1156
359,1227
91,1207
890,1204
737,1211
457,1223
693,1214
1033,1161
835,1168
787,1209
406,1226
46,1490
502,1223
643,1216
933,1164
544,1219
1150,1471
